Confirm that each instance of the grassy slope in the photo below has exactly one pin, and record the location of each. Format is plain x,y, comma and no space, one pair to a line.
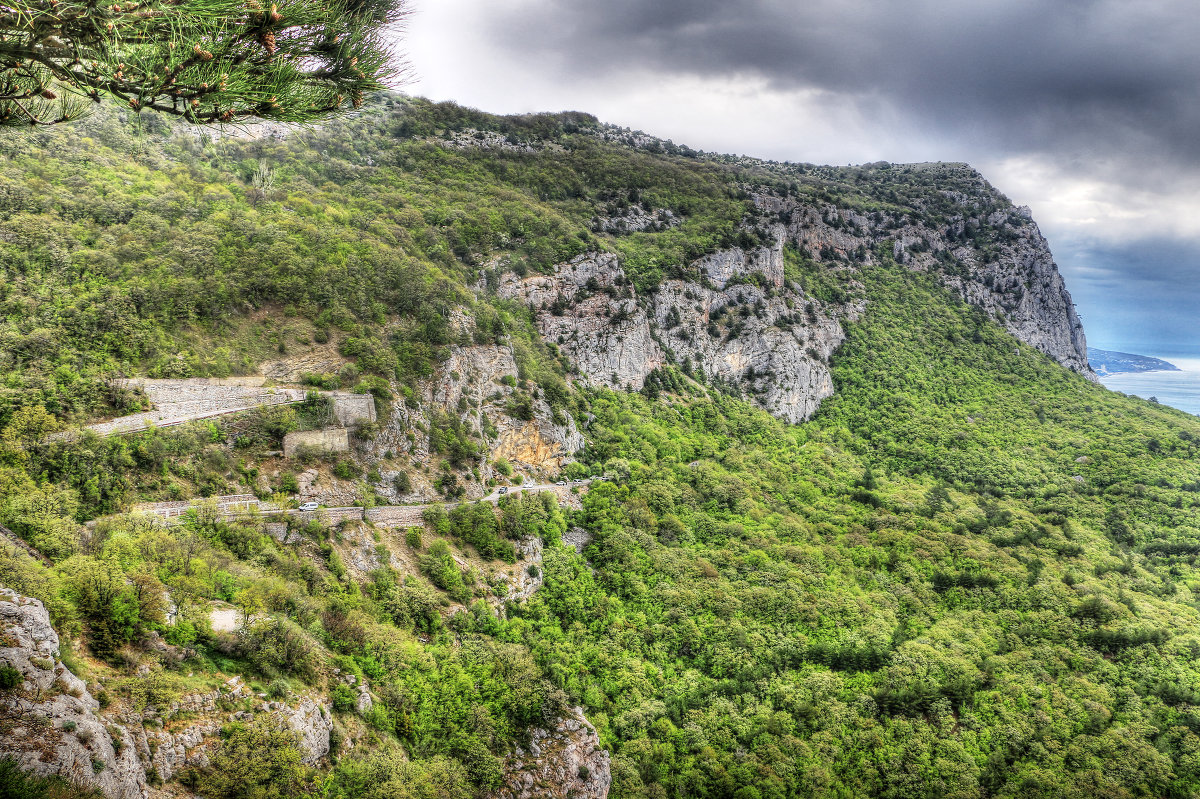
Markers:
910,595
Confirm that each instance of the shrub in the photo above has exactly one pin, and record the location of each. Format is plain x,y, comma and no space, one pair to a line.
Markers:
412,537
256,761
18,784
277,647
10,678
343,699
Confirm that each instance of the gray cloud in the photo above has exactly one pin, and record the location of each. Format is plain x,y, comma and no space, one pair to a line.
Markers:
1110,82
1088,110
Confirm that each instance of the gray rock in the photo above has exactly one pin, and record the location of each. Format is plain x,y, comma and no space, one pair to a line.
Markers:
312,724
61,733
563,762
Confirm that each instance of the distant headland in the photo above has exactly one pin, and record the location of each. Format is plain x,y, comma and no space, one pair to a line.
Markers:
1107,362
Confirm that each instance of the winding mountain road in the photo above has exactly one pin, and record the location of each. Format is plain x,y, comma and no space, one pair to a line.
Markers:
383,515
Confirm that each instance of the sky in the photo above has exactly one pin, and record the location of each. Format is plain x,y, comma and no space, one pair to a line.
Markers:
1088,111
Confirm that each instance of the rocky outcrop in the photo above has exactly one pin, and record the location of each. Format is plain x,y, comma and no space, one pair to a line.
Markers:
527,577
565,762
745,327
634,219
312,724
735,318
991,253
737,322
49,725
589,309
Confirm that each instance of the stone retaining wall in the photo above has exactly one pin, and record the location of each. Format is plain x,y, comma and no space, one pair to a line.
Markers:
396,515
331,439
178,401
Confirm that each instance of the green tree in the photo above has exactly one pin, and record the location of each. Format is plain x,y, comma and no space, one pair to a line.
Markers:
256,762
204,60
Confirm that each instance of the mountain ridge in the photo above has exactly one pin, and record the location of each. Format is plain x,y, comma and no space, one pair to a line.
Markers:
866,525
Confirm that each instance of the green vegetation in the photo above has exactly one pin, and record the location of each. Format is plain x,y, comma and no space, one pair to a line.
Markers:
205,61
972,574
17,784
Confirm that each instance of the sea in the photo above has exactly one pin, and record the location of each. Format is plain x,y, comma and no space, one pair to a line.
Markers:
1178,389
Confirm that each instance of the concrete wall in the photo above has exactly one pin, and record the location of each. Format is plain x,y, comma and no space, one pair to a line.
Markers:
352,409
331,439
330,515
176,401
396,516
227,504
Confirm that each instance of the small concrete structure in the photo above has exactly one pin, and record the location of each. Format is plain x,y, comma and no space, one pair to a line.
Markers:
351,410
331,439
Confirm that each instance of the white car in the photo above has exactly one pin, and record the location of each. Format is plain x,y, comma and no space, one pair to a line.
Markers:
561,483
503,490
309,506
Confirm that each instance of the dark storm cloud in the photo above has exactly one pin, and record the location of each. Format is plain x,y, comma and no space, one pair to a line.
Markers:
1112,83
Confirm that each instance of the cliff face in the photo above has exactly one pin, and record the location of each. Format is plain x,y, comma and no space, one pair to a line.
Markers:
738,319
737,322
1013,277
51,723
561,763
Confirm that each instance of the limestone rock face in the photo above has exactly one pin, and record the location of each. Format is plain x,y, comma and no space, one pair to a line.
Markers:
588,308
736,317
771,340
1014,278
49,725
312,724
565,762
739,322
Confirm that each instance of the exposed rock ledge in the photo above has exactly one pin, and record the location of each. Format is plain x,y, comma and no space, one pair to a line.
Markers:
739,322
50,724
566,762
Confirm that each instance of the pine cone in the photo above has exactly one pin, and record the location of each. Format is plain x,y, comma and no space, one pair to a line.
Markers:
267,40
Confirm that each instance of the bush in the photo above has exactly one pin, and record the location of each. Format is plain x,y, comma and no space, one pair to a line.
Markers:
17,784
343,699
412,537
277,647
256,761
442,570
10,678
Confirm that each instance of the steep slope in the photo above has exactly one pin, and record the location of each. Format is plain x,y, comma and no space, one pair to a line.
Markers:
866,526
